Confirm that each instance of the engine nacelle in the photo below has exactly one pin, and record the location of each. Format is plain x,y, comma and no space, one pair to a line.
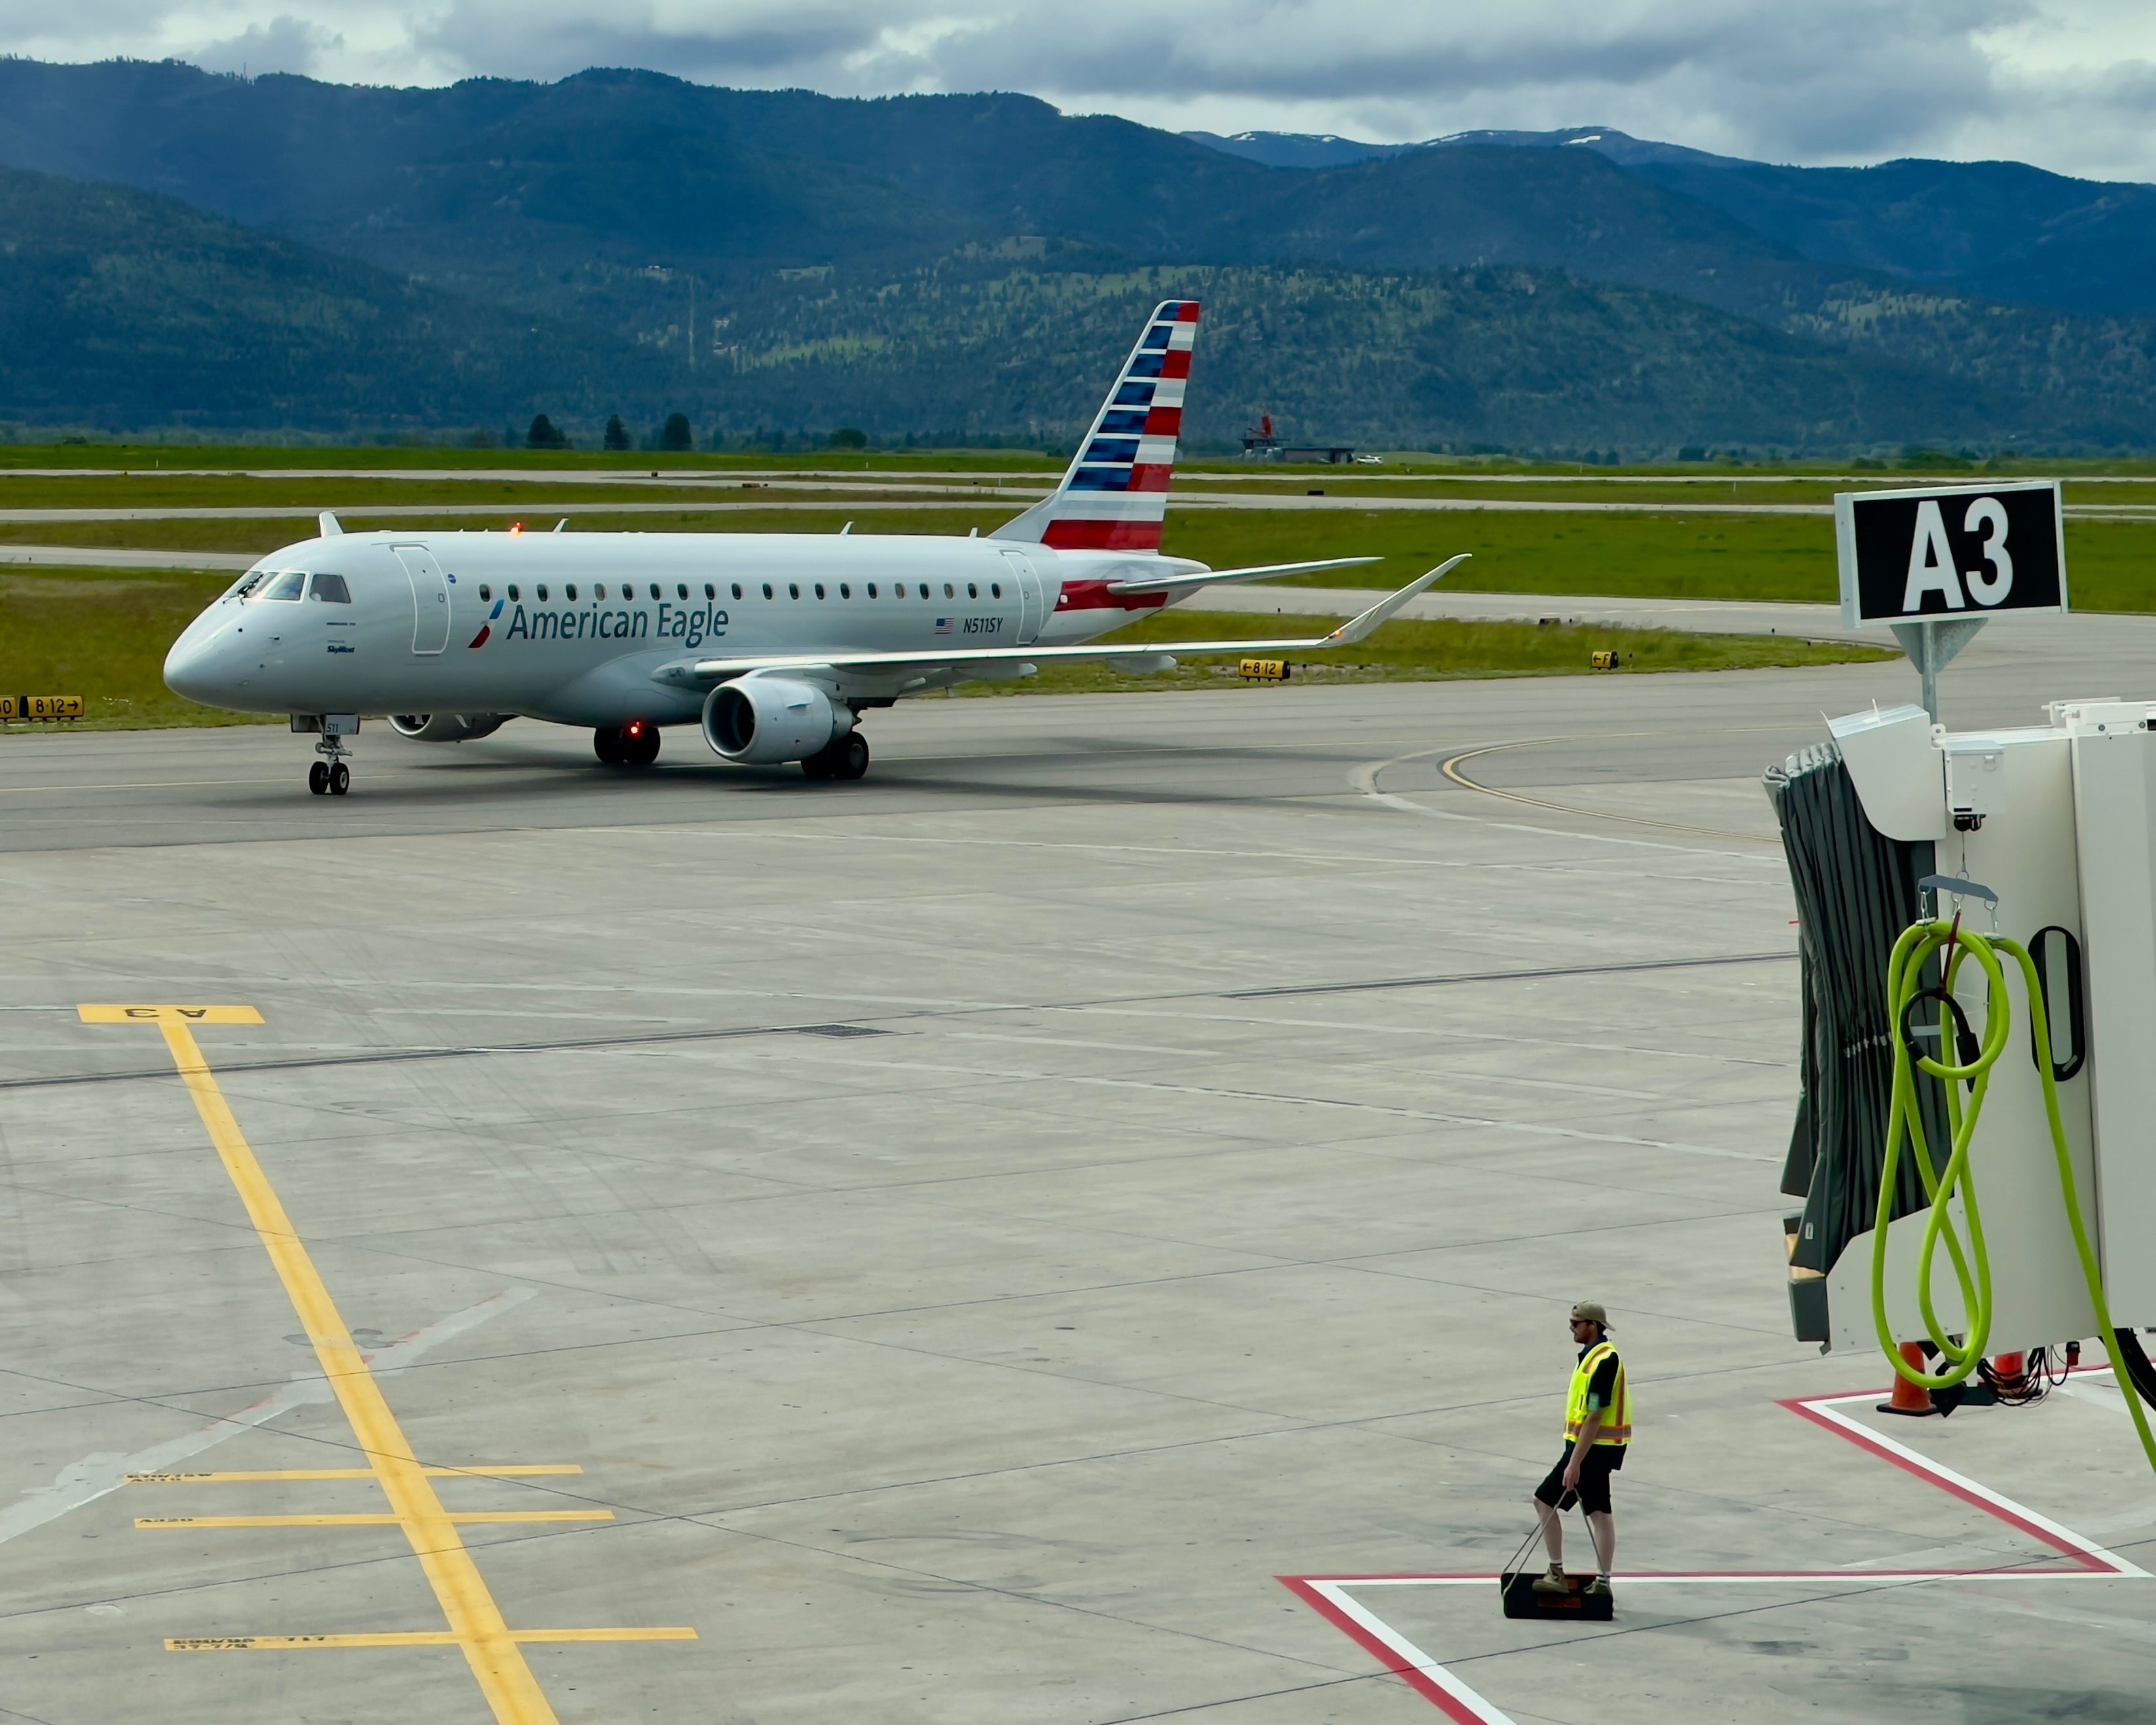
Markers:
761,720
447,727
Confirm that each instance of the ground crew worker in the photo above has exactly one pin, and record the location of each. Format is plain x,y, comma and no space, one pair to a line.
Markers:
1598,1429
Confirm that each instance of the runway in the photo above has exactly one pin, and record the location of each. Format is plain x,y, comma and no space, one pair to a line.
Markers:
955,1242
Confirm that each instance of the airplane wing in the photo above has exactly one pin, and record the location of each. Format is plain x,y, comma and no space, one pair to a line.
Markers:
718,671
1190,583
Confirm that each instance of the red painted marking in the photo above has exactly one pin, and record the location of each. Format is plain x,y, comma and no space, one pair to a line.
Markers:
1164,422
479,640
2082,1562
1151,476
2042,1536
1094,595
1187,312
1420,1682
1175,363
1069,535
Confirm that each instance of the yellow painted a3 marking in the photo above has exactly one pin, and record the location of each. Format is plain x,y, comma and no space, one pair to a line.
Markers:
494,1652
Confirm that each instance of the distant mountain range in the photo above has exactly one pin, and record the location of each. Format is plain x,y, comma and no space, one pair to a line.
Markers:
966,265
1998,230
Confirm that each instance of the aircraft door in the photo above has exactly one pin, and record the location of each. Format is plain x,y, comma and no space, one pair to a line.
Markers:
430,598
1031,606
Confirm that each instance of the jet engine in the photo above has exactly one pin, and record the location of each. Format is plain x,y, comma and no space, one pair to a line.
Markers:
447,727
760,721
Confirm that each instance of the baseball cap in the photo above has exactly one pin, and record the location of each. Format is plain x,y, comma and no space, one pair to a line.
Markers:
1590,1311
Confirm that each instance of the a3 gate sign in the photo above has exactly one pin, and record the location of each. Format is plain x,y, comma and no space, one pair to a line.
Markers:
1953,550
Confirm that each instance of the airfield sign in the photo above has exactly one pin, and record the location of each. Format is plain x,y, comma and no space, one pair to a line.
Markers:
1952,550
1933,565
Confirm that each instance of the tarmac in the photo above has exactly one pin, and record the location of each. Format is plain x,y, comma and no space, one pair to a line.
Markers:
1076,1227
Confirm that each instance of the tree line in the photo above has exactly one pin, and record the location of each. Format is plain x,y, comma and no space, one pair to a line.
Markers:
677,436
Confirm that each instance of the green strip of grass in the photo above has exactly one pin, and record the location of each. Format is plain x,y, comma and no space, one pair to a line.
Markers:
1418,652
258,537
2111,565
102,636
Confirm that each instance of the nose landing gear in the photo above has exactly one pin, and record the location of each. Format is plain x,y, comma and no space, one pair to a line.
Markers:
329,776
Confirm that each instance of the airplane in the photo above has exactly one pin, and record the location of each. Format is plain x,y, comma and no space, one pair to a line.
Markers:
773,645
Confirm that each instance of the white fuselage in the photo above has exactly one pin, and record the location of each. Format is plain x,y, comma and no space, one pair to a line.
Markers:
571,627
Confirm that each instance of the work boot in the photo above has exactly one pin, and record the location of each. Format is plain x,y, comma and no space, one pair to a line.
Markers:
1554,1582
1598,1589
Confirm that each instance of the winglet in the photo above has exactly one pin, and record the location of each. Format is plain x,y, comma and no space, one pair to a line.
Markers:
330,525
1355,627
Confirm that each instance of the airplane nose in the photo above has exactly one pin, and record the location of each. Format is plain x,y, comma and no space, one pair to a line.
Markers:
191,665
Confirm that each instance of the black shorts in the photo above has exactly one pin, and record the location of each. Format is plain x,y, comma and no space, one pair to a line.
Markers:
1603,1460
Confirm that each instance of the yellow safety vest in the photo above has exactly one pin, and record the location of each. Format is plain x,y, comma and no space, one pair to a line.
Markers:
1616,1418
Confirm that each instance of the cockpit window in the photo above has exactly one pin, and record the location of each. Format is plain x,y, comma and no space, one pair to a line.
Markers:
287,584
331,590
248,582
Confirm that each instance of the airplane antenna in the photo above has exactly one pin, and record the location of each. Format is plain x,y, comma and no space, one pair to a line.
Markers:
561,524
845,530
330,525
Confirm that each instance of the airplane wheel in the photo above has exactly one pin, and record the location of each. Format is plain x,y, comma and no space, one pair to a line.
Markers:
852,752
318,778
606,744
340,779
639,746
818,765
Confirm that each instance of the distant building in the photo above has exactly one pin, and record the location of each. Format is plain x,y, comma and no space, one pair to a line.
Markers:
1260,443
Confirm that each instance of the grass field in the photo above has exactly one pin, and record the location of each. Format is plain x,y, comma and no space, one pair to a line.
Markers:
2111,565
104,636
1406,651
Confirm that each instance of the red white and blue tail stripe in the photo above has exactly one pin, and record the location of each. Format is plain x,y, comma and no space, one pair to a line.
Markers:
1114,496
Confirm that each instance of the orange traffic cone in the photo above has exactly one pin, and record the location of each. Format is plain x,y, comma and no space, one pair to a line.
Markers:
1912,1399
2009,1374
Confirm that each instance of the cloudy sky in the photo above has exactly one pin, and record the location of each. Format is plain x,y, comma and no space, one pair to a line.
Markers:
2070,85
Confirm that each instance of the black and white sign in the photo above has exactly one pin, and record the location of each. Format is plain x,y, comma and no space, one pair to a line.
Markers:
1954,551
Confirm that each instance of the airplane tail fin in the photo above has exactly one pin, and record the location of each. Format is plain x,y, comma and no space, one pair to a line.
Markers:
1114,497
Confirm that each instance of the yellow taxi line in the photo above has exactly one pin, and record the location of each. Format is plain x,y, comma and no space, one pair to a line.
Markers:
492,1652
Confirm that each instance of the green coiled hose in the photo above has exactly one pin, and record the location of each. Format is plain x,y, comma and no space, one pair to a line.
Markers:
1919,944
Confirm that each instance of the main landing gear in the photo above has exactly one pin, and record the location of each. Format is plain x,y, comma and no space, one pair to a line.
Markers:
635,744
842,758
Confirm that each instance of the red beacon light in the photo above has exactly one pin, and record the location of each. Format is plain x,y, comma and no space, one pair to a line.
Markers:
517,528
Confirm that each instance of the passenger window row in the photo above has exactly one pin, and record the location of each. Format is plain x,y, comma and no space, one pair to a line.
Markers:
337,594
599,592
897,590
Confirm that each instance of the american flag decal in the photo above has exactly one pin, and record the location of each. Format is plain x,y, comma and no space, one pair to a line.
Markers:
943,626
1114,496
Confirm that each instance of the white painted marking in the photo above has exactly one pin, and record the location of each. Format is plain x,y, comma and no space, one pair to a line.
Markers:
100,1475
1825,1408
1364,779
1371,1624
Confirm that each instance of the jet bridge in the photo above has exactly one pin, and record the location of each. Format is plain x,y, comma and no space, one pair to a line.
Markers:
2041,838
